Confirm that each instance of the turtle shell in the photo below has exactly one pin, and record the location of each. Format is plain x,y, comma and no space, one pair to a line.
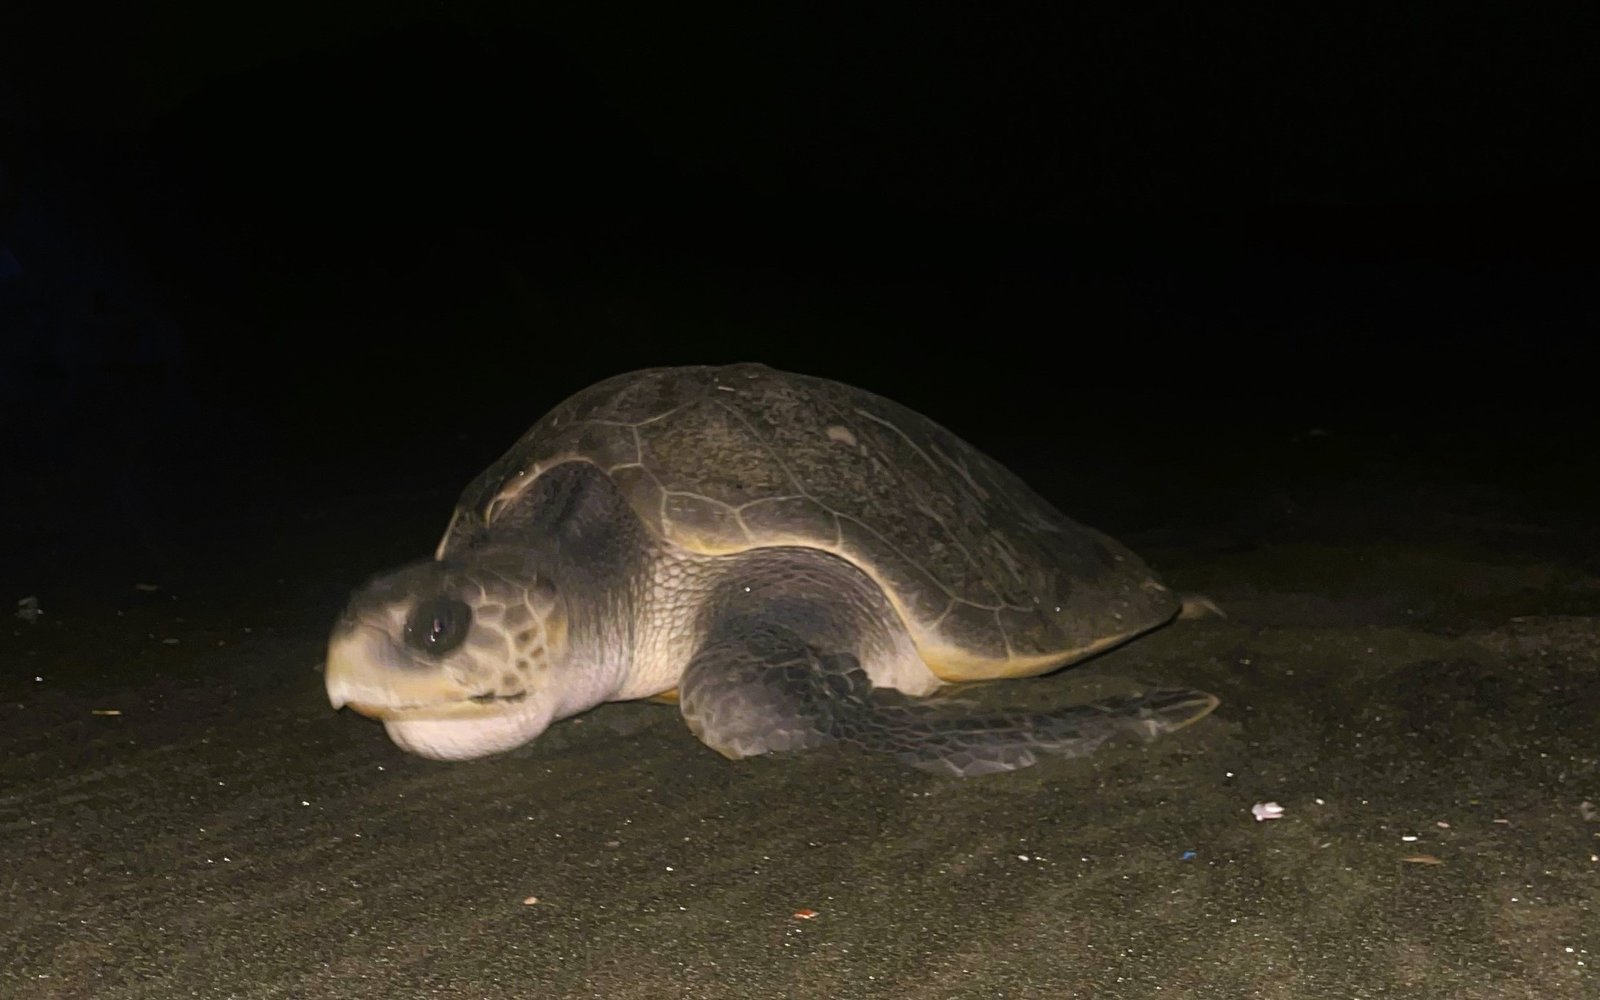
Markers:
990,579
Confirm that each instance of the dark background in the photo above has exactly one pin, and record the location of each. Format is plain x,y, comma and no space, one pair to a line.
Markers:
260,256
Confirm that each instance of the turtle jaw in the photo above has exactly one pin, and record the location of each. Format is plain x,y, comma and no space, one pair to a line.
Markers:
425,712
362,673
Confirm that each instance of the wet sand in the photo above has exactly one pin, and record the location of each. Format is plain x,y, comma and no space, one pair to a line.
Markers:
1408,668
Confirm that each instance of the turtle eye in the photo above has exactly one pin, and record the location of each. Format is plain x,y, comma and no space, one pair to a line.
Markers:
438,625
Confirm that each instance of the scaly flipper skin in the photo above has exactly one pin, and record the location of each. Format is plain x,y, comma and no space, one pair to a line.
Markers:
757,688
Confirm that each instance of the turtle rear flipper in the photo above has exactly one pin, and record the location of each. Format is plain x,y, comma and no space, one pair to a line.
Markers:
759,687
967,745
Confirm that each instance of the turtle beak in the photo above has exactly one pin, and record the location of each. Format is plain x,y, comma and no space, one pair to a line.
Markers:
423,710
367,674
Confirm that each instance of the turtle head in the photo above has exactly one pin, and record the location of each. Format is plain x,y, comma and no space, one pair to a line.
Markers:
456,657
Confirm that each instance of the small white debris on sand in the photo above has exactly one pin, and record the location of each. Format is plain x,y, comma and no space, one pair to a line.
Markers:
530,901
28,609
105,711
1587,810
1409,838
1266,810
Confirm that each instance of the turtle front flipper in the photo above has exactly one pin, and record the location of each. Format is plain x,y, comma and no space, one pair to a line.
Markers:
756,686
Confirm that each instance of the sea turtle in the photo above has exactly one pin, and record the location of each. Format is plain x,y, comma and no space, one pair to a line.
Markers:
797,560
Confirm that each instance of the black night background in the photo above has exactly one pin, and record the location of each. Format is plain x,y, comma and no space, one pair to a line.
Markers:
277,281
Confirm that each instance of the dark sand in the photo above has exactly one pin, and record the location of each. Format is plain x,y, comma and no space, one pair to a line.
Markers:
1408,668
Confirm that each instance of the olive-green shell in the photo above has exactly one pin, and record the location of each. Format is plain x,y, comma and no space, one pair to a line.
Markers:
991,580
